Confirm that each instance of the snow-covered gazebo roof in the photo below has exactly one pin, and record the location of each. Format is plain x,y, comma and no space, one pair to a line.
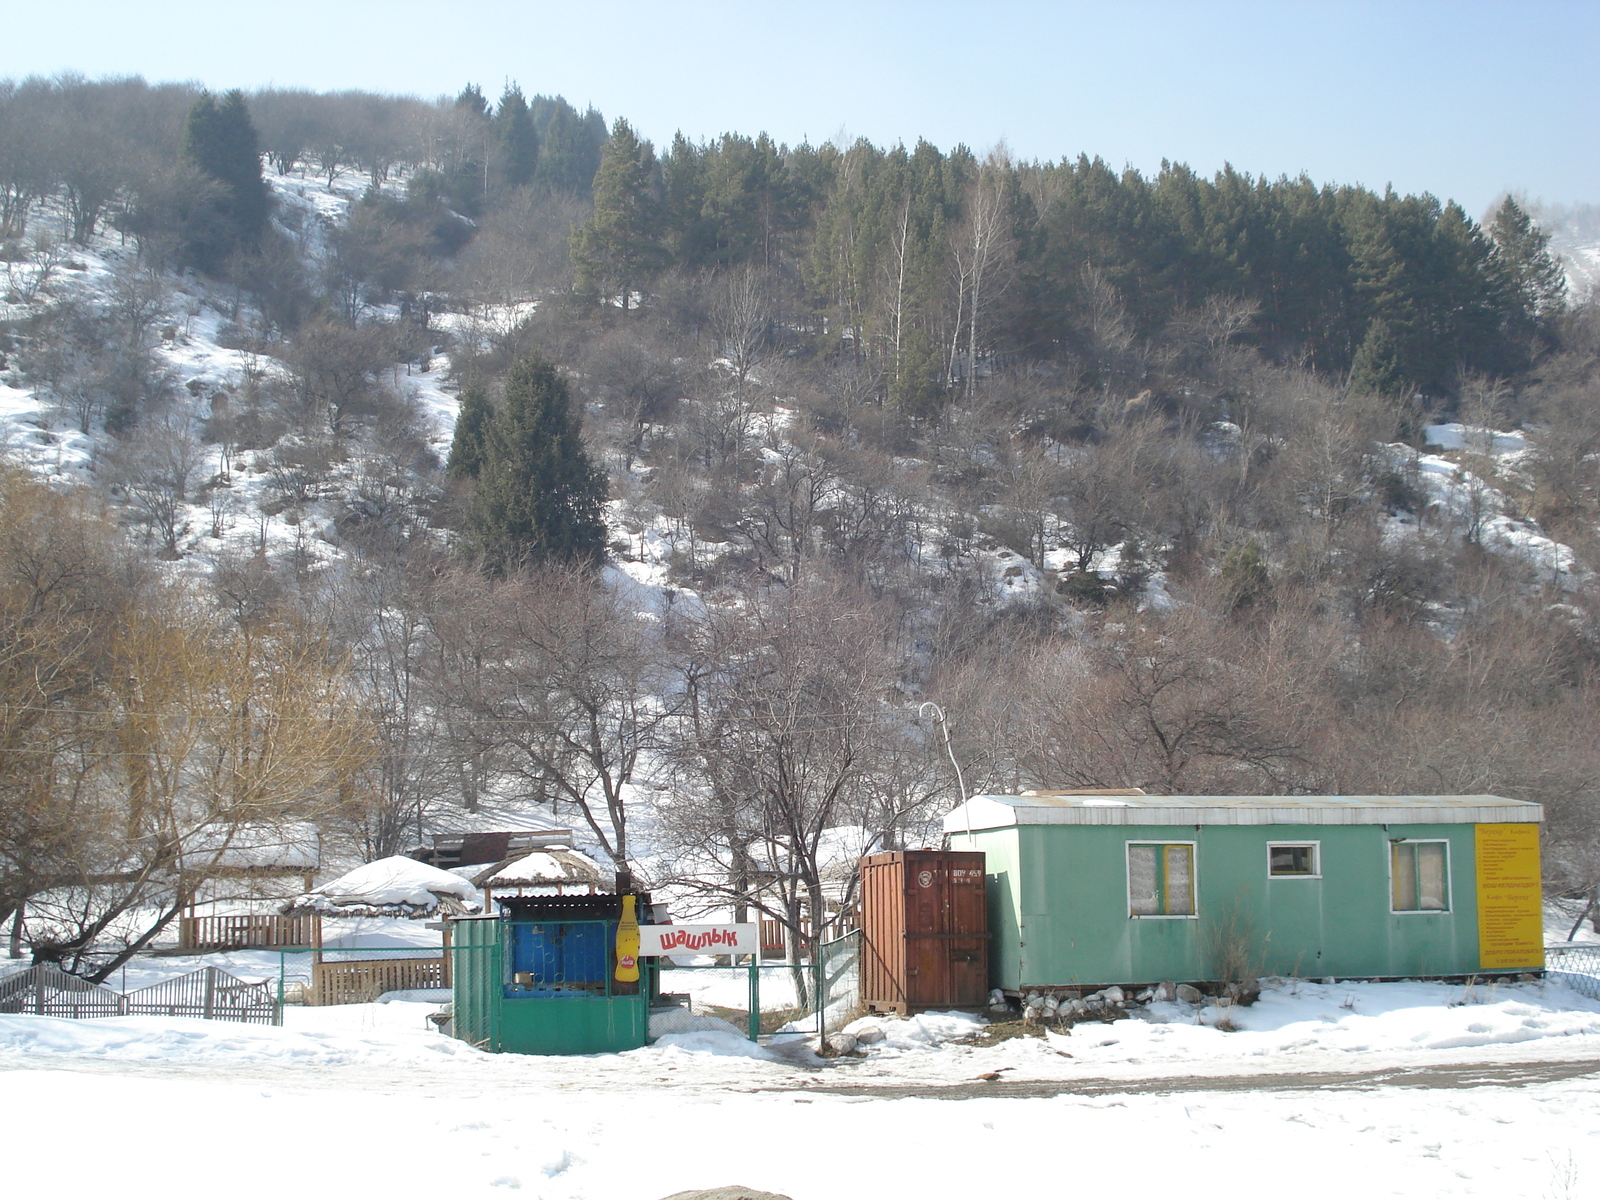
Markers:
554,866
390,887
294,848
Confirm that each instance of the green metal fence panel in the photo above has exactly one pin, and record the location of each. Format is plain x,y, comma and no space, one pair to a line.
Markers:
477,964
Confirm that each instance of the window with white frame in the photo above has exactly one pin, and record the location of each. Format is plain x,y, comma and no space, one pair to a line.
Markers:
1294,860
1419,876
1161,879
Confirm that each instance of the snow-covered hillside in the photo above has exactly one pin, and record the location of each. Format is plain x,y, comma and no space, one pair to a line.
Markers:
229,513
1575,235
965,525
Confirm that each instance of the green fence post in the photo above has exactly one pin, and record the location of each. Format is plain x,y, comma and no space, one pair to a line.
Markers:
821,997
755,997
646,990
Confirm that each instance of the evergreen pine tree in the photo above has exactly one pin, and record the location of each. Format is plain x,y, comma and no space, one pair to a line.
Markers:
220,140
1378,368
687,231
539,498
567,157
1245,575
620,246
471,100
472,432
467,178
917,389
1534,275
518,140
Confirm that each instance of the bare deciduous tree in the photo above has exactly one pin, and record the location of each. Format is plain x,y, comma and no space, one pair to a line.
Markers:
154,471
143,736
787,736
981,247
1182,705
564,685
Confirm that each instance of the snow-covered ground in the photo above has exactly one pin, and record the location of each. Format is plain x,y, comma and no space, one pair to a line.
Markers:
196,318
1462,501
367,1099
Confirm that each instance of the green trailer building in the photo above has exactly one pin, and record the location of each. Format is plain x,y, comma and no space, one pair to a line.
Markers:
1093,889
540,978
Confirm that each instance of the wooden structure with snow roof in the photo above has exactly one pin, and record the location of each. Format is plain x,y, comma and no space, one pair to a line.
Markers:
555,869
449,850
253,856
390,887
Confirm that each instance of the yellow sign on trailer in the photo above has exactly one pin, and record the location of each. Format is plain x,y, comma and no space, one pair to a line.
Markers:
1510,900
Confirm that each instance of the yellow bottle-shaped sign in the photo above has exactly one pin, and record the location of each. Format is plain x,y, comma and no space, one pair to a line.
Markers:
628,943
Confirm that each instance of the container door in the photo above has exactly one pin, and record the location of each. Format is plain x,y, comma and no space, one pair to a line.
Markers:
969,972
947,961
968,946
927,892
883,941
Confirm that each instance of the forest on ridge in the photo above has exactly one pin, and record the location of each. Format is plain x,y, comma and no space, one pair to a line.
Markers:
751,450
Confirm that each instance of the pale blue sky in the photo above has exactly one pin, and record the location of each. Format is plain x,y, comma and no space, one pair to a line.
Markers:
1462,99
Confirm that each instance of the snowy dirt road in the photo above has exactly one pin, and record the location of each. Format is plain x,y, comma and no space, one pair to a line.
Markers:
156,1130
1415,1090
835,1079
1446,1075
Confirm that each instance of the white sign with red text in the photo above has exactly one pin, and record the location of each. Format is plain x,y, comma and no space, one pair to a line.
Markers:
698,939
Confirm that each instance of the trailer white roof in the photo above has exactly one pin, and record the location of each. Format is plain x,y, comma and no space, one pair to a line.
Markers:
1134,808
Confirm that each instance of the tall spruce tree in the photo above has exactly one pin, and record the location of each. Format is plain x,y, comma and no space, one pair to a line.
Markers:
569,146
517,138
1534,276
620,246
472,434
221,142
538,498
471,101
1377,368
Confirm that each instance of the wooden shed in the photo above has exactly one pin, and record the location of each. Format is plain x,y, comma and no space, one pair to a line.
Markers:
1090,890
390,887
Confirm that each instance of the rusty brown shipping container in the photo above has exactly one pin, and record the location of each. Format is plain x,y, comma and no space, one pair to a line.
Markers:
924,930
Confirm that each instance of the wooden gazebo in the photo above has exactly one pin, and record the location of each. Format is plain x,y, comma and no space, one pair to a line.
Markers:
553,870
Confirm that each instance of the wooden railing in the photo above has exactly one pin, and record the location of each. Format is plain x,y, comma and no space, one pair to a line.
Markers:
361,981
772,936
248,932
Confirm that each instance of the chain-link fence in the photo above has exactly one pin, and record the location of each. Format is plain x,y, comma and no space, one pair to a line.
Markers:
1576,966
766,997
839,979
828,994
